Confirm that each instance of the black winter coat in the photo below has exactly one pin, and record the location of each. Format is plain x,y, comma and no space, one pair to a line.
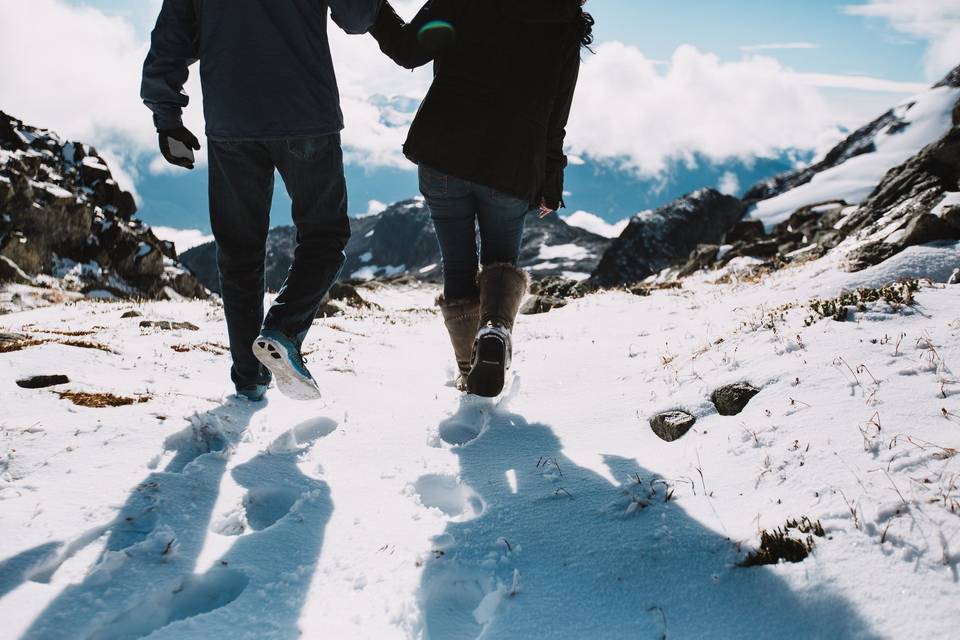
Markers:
502,90
265,65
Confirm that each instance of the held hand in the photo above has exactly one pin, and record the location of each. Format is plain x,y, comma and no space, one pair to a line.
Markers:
544,209
177,146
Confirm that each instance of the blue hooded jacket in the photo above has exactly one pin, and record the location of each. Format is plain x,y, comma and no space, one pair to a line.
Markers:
265,65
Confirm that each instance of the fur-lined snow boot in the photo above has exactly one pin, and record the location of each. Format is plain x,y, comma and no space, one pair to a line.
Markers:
502,288
462,318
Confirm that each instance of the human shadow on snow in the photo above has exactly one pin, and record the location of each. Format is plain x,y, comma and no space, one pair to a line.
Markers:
559,552
144,581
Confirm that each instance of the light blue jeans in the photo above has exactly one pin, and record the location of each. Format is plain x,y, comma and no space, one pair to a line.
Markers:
458,208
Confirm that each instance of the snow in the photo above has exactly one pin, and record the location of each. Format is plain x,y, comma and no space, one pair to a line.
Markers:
373,271
928,120
196,515
183,239
563,251
595,224
950,199
143,249
367,257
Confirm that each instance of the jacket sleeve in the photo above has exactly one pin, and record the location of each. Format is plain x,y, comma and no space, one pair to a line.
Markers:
401,41
354,16
174,46
557,133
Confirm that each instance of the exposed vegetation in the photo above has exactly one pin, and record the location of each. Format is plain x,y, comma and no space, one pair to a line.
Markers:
896,295
780,545
100,400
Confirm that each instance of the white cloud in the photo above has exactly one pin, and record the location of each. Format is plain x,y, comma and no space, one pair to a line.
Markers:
184,239
937,21
629,108
645,115
595,224
729,184
778,46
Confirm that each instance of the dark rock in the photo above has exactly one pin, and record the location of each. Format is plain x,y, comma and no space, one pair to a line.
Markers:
927,227
868,255
534,305
672,425
757,249
560,287
951,216
132,314
329,310
745,230
42,382
657,240
11,272
702,257
347,293
952,79
167,325
732,399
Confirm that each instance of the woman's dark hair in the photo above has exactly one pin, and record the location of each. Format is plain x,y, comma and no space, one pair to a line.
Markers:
586,36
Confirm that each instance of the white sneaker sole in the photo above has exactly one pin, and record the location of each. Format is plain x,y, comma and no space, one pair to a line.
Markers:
275,357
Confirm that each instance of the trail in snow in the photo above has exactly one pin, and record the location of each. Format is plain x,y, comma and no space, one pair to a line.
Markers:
397,509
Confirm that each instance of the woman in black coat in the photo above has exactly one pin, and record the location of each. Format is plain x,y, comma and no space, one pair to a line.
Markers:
488,140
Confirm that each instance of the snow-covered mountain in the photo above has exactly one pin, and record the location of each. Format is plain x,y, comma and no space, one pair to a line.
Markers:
400,242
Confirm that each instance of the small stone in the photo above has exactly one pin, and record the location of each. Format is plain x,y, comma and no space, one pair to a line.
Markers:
672,425
541,304
732,399
329,310
166,325
132,314
41,382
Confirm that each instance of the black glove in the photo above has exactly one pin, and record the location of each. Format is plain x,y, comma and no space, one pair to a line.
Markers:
177,146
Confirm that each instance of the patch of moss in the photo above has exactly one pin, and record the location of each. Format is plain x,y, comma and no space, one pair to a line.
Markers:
895,294
781,546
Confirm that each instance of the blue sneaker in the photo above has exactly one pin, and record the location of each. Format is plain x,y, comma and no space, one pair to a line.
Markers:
253,393
281,356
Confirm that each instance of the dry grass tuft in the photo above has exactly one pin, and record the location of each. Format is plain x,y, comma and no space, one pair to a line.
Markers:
208,347
100,400
780,546
18,345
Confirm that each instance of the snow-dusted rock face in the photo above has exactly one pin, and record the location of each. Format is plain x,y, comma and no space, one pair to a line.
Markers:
400,242
66,223
891,185
655,240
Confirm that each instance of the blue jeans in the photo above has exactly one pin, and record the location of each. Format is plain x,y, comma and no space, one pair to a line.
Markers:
241,191
458,208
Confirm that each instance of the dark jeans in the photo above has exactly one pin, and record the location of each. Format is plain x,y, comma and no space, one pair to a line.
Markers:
241,191
458,208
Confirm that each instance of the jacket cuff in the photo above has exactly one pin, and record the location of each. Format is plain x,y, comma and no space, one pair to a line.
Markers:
167,122
553,186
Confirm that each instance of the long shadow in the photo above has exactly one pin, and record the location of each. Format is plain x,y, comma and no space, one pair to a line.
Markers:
557,551
157,535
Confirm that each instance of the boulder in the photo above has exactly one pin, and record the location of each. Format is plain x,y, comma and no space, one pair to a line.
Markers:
672,425
733,399
745,230
541,304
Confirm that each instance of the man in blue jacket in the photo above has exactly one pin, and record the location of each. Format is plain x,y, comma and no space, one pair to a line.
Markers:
271,103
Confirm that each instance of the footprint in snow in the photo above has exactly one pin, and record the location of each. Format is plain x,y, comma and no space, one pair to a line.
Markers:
446,493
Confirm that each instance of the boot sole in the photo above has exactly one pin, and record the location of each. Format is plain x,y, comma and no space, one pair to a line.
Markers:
275,357
486,379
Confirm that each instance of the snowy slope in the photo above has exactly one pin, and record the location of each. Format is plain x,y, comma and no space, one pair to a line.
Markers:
195,515
919,121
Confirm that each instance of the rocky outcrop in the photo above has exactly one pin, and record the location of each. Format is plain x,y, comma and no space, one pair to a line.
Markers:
64,216
656,240
672,425
899,213
732,399
400,242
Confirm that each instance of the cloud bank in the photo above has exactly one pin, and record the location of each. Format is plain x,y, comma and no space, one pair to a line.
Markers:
81,77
